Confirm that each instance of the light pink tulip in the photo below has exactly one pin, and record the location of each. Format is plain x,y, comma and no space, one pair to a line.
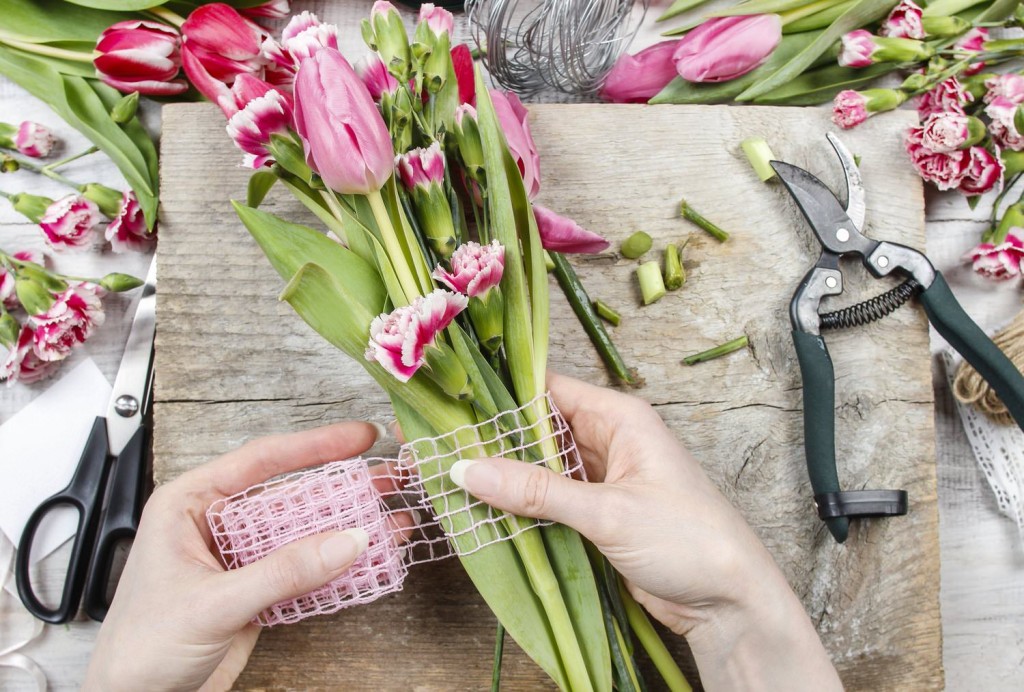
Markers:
128,231
476,269
724,48
421,167
71,319
849,109
1004,132
637,78
903,22
948,95
856,49
7,295
983,172
274,9
1009,86
69,221
246,88
945,170
512,116
345,138
251,127
304,35
35,140
438,19
374,73
399,339
999,262
561,234
218,45
142,56
22,364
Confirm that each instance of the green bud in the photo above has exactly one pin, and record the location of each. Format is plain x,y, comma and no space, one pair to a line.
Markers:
444,368
878,100
433,56
1013,217
124,110
944,26
976,131
1018,120
7,132
435,218
32,207
467,141
289,155
391,41
367,31
487,314
119,283
106,198
9,329
8,164
1013,162
975,84
914,82
636,245
900,50
32,295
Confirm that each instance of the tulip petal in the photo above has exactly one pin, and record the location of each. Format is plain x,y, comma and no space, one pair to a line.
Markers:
561,234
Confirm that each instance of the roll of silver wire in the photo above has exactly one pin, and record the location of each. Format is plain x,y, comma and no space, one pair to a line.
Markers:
566,45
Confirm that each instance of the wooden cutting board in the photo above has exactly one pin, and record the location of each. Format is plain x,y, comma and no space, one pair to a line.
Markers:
233,363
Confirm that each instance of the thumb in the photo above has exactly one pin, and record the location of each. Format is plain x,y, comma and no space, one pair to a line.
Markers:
290,571
528,490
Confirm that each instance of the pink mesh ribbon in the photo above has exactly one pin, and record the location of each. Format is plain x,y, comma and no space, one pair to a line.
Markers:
378,496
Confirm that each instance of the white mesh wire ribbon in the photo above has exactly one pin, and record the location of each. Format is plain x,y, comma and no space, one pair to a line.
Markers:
377,496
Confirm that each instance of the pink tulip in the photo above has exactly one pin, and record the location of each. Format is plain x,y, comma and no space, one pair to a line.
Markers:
274,9
71,319
983,171
246,88
999,262
1004,132
945,170
637,78
218,45
972,42
399,339
35,140
857,48
128,231
512,116
421,167
948,95
69,221
251,127
345,138
438,19
903,22
7,296
374,73
465,76
476,269
22,364
1009,86
142,56
304,35
561,234
724,48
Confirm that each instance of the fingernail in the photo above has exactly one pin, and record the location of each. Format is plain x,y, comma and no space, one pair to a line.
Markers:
474,477
341,549
393,427
382,432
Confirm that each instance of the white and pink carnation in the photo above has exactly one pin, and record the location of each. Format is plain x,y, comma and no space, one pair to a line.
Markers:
856,49
304,36
22,364
7,295
945,169
251,127
983,171
903,22
374,73
35,140
999,262
1002,110
399,339
849,109
972,42
438,19
948,95
944,132
422,167
129,231
476,269
1008,86
69,222
71,319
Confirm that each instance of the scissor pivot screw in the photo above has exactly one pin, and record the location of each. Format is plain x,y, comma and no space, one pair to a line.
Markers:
883,261
842,235
831,282
126,406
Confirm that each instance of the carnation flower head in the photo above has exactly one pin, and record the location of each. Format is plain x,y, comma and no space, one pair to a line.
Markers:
475,269
71,319
22,364
399,339
69,221
1000,262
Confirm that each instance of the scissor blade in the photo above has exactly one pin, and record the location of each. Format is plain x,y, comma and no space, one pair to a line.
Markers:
856,207
124,413
835,230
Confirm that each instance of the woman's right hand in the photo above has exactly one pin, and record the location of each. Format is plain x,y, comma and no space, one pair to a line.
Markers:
687,554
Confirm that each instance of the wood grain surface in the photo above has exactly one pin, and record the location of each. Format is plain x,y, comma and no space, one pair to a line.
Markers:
233,363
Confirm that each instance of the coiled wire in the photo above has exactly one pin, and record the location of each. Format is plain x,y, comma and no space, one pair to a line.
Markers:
567,45
870,310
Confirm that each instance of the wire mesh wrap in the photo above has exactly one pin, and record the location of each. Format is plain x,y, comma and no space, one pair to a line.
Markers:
376,495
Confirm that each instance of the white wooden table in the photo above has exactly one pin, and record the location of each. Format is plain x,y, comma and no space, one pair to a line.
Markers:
982,558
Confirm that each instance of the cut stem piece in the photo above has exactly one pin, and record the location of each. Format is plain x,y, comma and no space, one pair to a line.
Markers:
607,313
693,216
675,275
652,286
636,245
718,351
760,155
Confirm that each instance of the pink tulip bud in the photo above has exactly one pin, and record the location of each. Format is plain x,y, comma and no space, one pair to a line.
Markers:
71,319
304,35
345,138
128,231
374,73
947,95
399,339
422,167
462,61
903,22
35,140
999,262
218,45
476,269
251,127
22,364
1009,86
438,19
1002,111
724,48
637,78
512,116
561,234
69,221
142,56
274,9
7,296
983,172
972,42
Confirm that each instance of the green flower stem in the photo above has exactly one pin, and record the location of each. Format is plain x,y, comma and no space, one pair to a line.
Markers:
655,648
45,170
499,648
607,313
717,351
43,49
6,195
693,216
63,162
394,249
675,276
167,15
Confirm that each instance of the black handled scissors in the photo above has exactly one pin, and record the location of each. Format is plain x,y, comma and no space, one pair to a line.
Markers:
110,484
838,229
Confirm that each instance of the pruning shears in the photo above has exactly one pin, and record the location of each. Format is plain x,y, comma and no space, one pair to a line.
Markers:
839,230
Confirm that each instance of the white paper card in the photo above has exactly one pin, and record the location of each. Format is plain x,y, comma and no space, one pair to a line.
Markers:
40,447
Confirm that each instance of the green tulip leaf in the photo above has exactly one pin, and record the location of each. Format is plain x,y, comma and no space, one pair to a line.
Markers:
259,185
821,85
678,7
43,21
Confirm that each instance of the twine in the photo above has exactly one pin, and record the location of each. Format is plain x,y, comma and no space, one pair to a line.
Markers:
971,388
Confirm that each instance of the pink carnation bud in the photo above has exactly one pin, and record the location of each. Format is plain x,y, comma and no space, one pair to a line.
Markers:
22,364
69,221
849,109
972,42
1009,86
71,319
1004,132
944,132
422,167
637,78
382,7
399,339
945,169
476,269
142,56
251,127
274,9
35,140
374,73
857,48
999,262
561,234
304,36
438,19
7,295
983,171
463,111
903,22
724,48
512,116
465,75
948,95
129,231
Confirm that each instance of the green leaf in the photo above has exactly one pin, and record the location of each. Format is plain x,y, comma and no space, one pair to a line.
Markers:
118,5
998,11
678,7
759,7
863,13
259,185
816,20
821,85
42,21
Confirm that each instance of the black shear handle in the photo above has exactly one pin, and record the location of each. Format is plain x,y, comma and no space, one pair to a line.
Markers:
965,336
84,494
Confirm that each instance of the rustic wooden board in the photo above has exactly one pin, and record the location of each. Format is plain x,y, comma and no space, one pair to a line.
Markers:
233,363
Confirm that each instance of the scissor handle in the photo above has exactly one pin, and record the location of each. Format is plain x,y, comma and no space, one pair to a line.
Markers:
950,320
120,521
84,493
